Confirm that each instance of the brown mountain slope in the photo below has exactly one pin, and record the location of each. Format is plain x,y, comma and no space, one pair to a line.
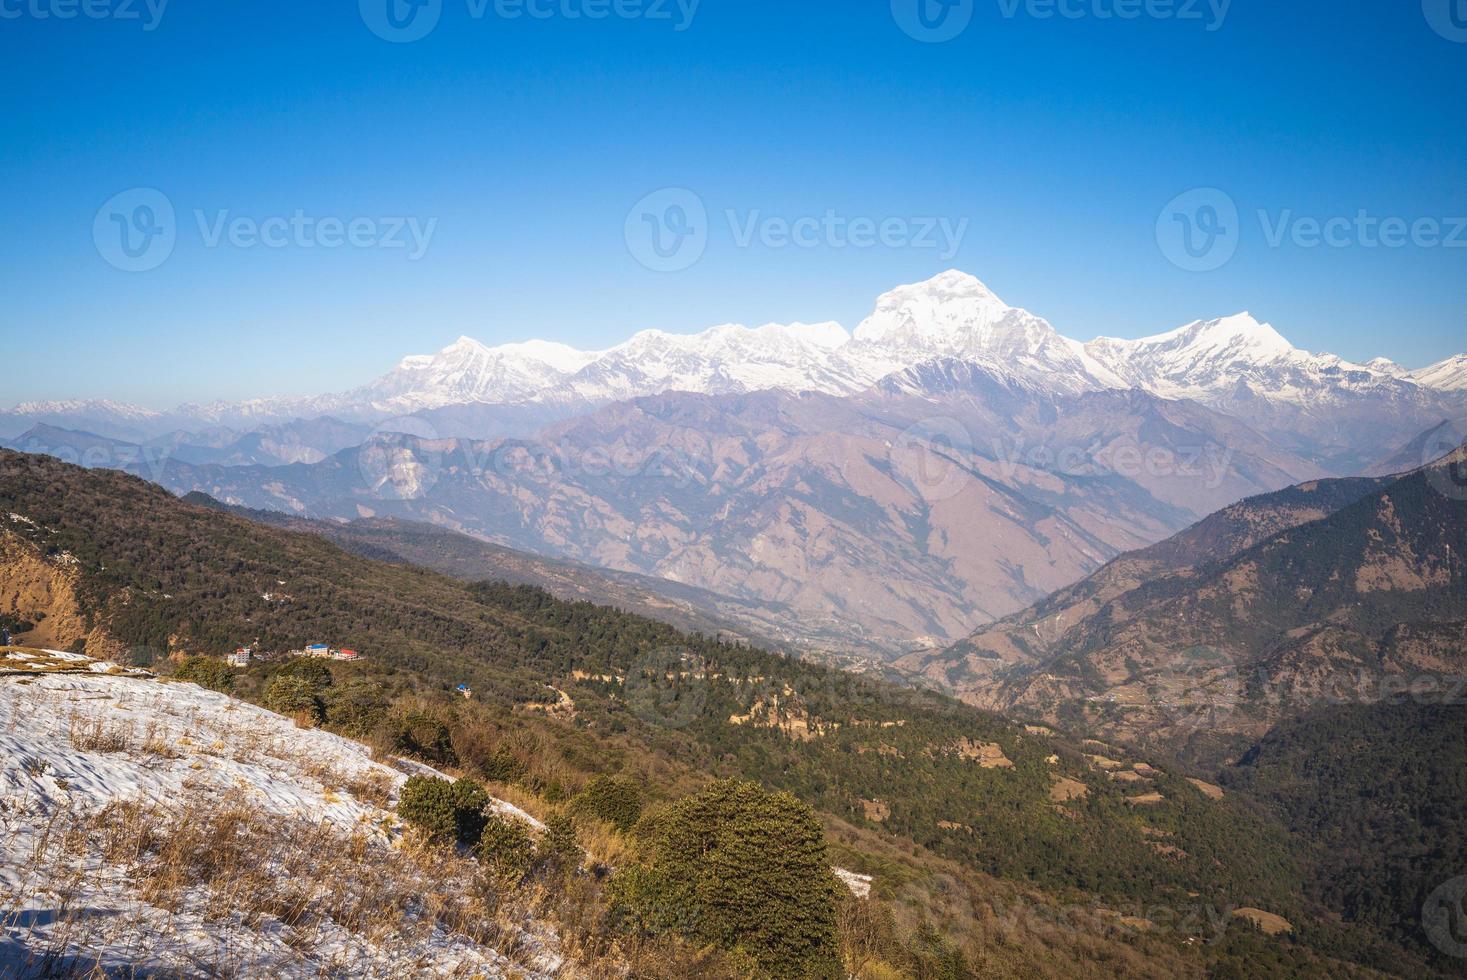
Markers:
955,794
1040,631
1348,606
880,523
1426,448
472,559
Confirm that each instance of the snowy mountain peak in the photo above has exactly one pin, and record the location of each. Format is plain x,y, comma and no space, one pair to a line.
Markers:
829,334
1448,375
950,286
1241,335
1384,365
465,344
951,314
937,308
77,406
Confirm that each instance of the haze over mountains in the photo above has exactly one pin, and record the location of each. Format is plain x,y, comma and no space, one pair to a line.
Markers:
952,315
950,462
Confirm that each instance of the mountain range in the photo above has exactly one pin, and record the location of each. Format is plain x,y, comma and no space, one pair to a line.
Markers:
1236,363
884,491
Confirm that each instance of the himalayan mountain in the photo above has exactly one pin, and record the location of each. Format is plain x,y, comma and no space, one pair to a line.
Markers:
948,464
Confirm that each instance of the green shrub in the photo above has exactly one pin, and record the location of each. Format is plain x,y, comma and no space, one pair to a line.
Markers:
206,672
504,767
506,848
428,804
15,624
289,695
742,868
356,707
559,850
420,733
615,799
314,672
445,811
470,800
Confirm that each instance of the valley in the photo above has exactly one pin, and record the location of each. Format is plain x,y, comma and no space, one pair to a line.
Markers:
862,497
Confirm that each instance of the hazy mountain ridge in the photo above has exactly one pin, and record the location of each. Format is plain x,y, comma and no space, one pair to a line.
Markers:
474,560
1321,592
857,524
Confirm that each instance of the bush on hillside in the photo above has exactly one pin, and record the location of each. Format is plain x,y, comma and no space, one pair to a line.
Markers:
615,799
506,849
445,811
293,696
559,850
742,868
424,734
357,707
206,672
314,672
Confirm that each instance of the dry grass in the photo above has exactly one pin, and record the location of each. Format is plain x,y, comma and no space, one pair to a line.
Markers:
224,863
94,734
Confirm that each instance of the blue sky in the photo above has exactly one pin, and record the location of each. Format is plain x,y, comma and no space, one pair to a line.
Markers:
524,143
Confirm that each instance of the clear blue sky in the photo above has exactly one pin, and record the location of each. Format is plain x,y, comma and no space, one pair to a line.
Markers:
528,140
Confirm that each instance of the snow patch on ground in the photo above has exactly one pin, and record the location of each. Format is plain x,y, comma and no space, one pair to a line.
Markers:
859,884
73,746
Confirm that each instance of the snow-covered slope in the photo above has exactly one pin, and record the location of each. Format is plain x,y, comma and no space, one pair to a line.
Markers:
1209,358
728,359
1448,375
163,829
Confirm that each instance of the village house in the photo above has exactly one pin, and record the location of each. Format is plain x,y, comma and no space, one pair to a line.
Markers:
322,651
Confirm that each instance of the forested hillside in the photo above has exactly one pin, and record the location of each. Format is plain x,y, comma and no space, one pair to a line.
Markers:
1378,788
958,814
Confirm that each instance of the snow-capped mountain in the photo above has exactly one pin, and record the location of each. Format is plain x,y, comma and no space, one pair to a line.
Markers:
956,316
728,359
1448,375
1208,358
1236,364
1241,366
467,371
105,418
